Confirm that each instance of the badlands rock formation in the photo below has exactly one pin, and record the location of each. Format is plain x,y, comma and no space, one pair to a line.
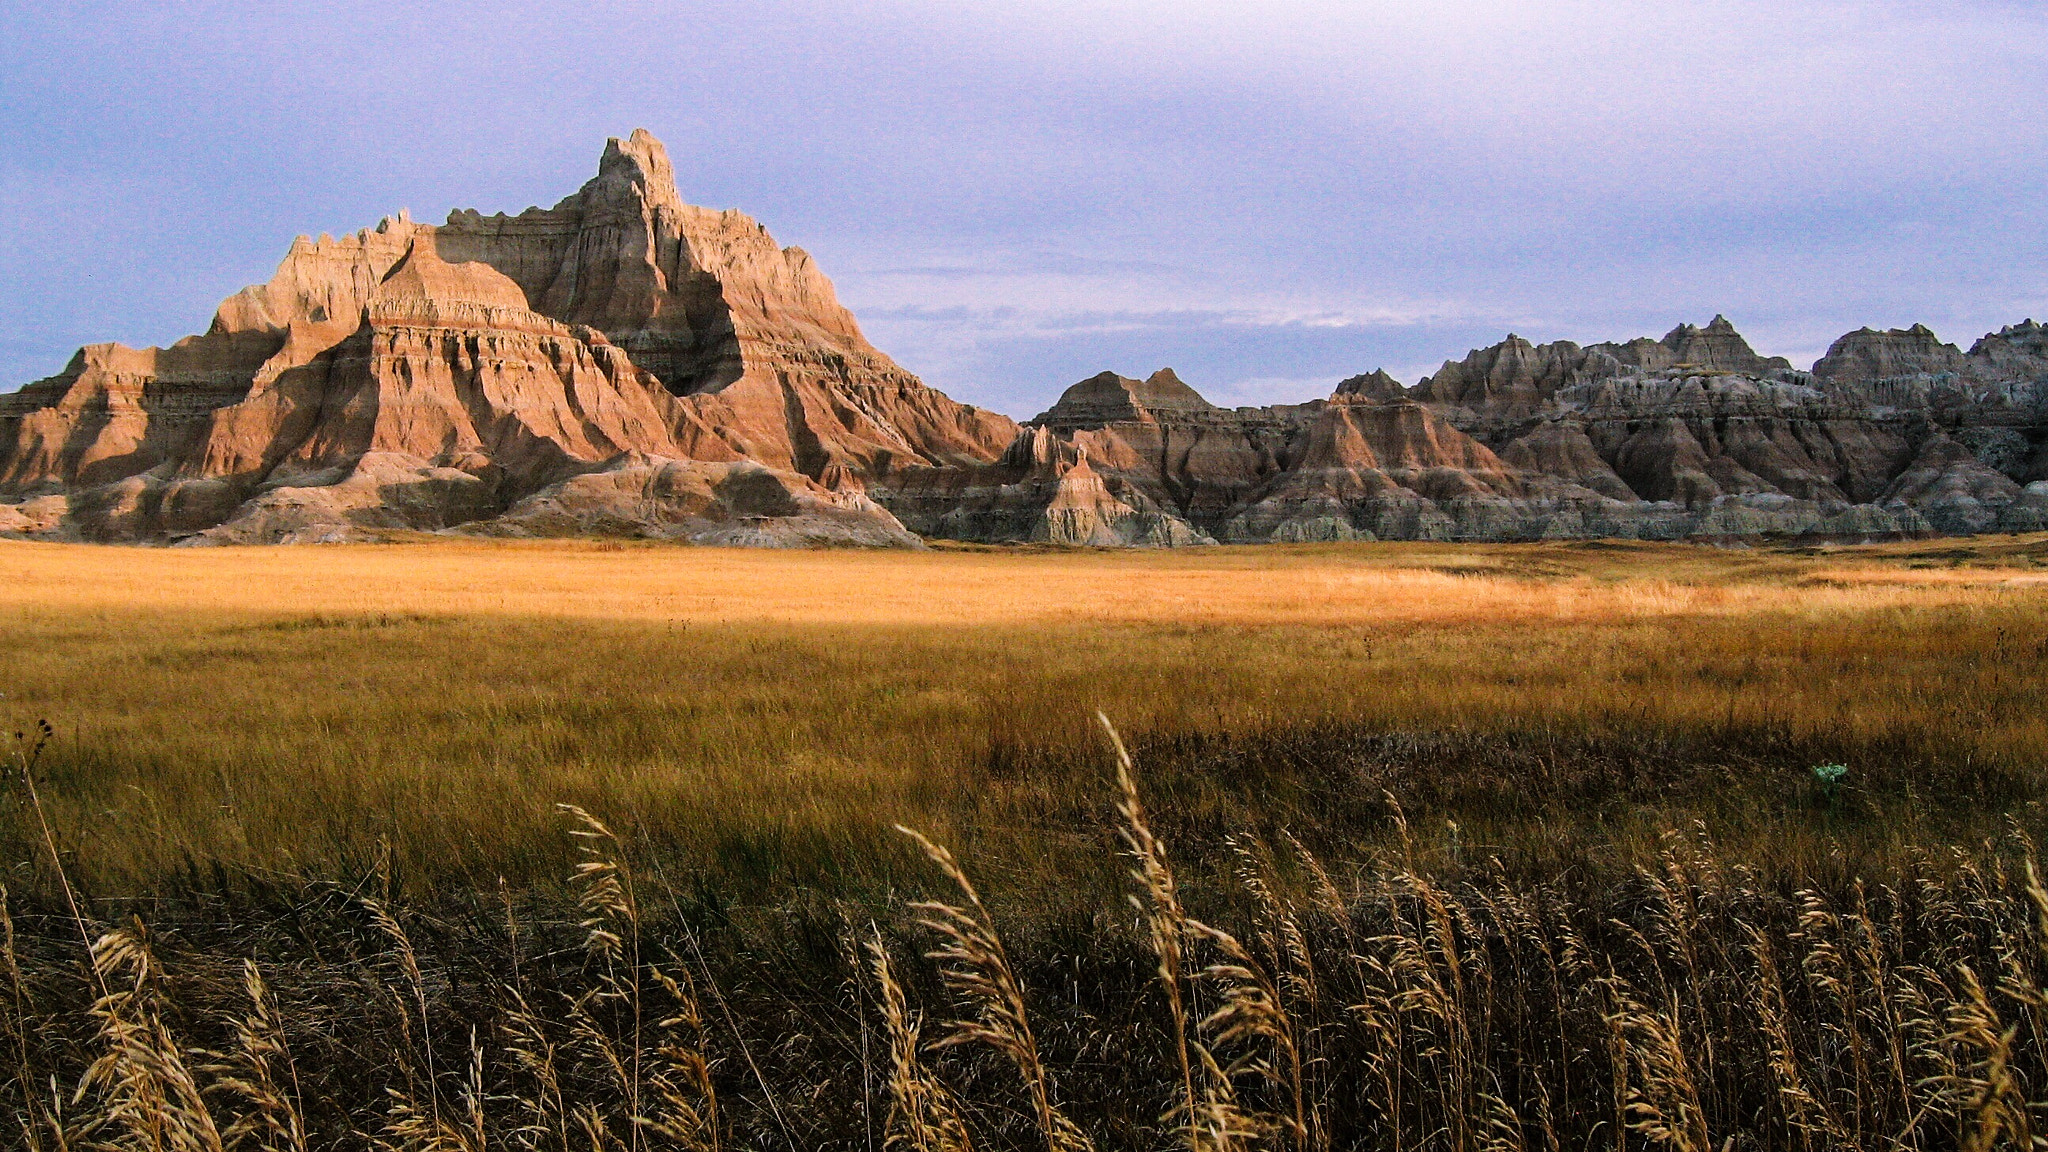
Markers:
624,363
621,362
1691,436
1116,461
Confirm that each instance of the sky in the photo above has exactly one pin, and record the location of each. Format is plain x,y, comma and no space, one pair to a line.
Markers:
1266,196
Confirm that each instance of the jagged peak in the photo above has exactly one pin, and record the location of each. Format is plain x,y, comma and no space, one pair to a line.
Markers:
1165,389
1373,385
640,160
1720,325
1916,332
1867,354
1715,347
2025,330
1108,398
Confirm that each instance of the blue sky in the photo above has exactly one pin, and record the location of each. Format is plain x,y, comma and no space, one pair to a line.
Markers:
1266,196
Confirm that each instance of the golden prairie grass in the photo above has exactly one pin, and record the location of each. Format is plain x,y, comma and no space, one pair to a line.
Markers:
767,716
1583,887
1309,585
1700,1003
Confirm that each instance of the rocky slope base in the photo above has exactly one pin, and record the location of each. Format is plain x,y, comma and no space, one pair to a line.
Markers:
621,362
625,363
1692,436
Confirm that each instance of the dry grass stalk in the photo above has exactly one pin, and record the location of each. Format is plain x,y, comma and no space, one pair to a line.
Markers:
1674,928
1805,1113
26,761
149,1100
1254,1019
1501,1128
30,1116
63,1132
1408,998
258,1073
977,968
410,1128
1288,957
1970,1060
408,1123
1165,923
1844,1046
1655,1076
1871,957
1992,1107
1374,1013
739,1037
473,1099
1423,976
1205,1111
923,1116
596,1133
612,936
1221,1123
595,1044
687,1102
534,1054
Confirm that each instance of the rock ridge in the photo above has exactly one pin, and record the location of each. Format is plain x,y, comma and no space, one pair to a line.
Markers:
1692,436
621,362
626,363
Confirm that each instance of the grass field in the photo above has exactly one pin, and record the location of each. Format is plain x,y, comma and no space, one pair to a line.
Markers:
241,734
767,715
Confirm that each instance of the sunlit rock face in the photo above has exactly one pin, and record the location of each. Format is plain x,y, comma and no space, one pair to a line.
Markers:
625,363
621,362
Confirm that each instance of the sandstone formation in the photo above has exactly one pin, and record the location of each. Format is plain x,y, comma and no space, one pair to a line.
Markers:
1115,461
621,362
625,363
1691,436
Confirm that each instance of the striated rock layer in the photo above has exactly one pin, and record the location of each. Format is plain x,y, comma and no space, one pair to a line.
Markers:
625,363
1692,436
621,362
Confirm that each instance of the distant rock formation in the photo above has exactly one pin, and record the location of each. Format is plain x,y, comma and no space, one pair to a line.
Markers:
1517,376
622,362
1694,436
1115,461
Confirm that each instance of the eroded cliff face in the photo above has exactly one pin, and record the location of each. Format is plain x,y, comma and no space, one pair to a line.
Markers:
624,362
1115,461
621,362
1691,436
